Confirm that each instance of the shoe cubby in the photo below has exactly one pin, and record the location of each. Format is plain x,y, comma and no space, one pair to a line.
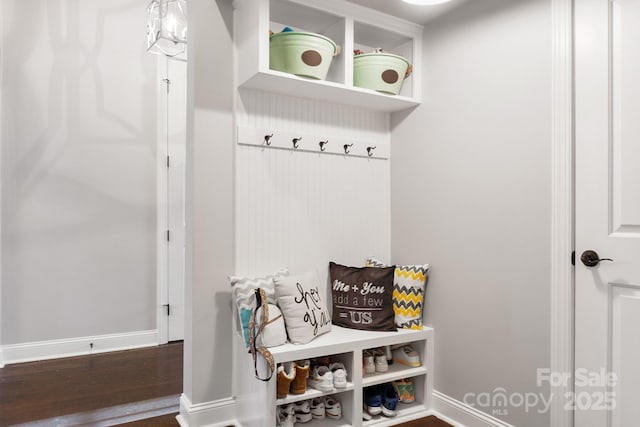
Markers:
346,359
405,410
398,370
349,25
258,403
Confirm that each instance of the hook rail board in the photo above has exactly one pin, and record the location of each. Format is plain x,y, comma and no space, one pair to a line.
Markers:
312,143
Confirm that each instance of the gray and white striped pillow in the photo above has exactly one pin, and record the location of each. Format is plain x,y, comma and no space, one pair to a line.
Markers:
243,292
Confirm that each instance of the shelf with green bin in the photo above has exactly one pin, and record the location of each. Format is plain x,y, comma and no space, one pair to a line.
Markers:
349,26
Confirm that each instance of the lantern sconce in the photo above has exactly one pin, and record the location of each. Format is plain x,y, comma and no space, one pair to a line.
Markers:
167,28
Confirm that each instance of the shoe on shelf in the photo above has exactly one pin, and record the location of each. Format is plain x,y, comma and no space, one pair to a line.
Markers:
405,390
333,408
286,374
406,355
380,360
299,383
339,374
367,362
321,378
373,400
303,411
286,415
318,408
389,400
365,415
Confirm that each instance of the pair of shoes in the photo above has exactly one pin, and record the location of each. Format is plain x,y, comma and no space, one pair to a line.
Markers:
381,399
298,412
337,369
321,378
406,355
405,390
374,360
328,377
328,407
292,377
286,416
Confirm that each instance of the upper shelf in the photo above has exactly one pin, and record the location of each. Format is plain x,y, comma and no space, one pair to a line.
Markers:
351,26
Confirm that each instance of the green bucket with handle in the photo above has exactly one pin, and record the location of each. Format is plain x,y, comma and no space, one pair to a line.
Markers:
302,54
380,71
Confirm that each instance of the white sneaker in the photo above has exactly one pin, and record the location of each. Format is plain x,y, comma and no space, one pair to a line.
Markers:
367,362
333,408
339,374
286,416
303,411
381,364
321,378
406,355
318,408
365,415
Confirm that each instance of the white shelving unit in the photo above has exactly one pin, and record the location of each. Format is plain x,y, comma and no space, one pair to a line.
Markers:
257,400
351,26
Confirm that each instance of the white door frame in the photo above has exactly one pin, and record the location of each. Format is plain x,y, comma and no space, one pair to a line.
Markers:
1,85
562,215
162,174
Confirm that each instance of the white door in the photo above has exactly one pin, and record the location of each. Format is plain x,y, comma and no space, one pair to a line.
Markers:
607,328
174,119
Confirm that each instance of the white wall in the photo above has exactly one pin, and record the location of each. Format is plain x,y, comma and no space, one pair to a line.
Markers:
209,214
470,180
299,209
78,170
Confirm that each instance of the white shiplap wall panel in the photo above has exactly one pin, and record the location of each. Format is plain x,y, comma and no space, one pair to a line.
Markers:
301,209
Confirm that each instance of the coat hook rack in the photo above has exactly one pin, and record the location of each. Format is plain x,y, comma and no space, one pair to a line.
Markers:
348,146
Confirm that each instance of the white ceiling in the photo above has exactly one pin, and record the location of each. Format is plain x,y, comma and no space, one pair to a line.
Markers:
410,12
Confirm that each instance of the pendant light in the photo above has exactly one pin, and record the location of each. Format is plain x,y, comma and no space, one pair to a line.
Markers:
167,28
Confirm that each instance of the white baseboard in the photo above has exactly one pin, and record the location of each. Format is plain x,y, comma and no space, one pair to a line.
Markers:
219,413
43,350
462,415
1,358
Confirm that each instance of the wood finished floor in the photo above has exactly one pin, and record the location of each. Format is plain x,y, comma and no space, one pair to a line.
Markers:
170,421
44,390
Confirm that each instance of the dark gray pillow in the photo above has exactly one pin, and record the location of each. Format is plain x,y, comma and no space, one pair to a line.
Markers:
362,297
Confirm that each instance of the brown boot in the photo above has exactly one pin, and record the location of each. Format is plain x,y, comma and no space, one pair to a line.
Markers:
299,384
286,374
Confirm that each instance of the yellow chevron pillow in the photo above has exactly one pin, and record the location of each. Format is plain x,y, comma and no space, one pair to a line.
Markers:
408,292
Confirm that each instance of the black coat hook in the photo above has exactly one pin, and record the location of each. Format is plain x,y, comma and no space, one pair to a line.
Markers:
296,141
346,148
370,150
267,139
322,145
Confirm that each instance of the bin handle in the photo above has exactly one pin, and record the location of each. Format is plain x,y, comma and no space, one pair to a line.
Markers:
409,71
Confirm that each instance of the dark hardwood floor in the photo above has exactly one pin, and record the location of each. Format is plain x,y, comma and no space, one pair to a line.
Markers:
88,384
170,421
53,388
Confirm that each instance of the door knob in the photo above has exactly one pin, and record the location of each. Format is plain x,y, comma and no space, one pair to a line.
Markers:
591,258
